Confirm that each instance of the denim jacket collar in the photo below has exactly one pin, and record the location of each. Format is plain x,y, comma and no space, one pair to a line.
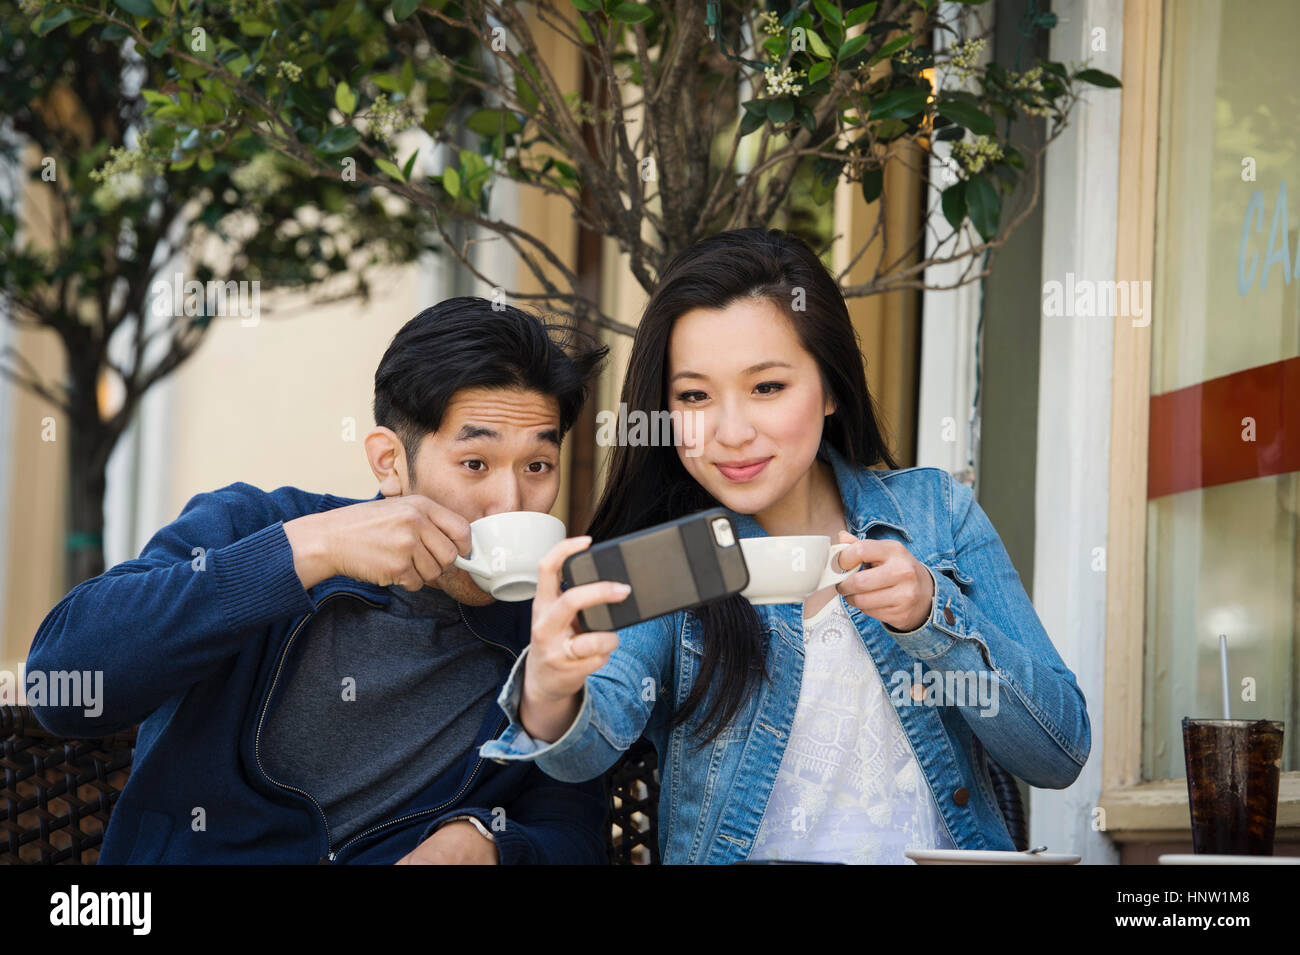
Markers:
867,502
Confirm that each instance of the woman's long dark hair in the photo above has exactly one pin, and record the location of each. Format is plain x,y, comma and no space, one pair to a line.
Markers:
649,485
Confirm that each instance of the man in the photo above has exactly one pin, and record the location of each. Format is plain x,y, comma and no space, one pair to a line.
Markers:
312,675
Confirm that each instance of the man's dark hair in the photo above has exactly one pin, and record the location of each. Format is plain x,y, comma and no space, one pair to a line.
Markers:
466,343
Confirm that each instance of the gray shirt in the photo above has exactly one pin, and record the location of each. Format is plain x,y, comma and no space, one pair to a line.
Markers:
373,705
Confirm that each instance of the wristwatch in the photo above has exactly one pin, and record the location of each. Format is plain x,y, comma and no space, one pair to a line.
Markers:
483,830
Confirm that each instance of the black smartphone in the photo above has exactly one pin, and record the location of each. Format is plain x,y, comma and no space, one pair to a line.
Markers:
672,566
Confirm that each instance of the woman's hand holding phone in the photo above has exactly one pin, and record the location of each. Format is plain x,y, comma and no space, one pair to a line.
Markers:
560,655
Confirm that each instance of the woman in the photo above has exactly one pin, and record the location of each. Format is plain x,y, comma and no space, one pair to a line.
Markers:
849,728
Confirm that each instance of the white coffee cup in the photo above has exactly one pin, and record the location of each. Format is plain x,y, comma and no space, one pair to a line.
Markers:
505,550
785,570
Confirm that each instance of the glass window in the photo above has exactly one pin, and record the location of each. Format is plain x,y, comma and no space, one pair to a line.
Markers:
1223,553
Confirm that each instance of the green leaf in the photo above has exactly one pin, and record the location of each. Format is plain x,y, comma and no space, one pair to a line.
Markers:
338,16
408,76
780,111
345,99
339,139
156,48
587,6
751,122
404,8
494,122
390,168
139,8
892,47
873,184
806,118
899,103
755,116
829,11
818,46
632,13
408,166
524,90
860,15
451,182
153,97
985,206
1097,78
954,204
853,47
61,16
434,116
818,72
255,28
978,122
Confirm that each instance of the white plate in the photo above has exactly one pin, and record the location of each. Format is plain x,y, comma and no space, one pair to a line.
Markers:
1176,859
987,857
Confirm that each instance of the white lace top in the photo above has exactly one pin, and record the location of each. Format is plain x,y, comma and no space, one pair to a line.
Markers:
849,788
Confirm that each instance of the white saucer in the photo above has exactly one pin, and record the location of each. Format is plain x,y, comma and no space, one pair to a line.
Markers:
1206,859
987,857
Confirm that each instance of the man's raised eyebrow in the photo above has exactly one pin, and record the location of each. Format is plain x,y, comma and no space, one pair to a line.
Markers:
469,432
752,369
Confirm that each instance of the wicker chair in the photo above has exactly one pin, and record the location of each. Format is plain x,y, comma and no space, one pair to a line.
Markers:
58,794
633,785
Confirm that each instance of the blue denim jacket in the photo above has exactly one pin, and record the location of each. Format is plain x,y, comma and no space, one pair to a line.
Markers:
979,680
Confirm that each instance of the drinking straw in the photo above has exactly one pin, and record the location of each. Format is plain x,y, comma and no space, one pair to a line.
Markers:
1223,667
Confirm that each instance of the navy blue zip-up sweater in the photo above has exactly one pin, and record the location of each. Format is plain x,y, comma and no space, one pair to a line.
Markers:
191,637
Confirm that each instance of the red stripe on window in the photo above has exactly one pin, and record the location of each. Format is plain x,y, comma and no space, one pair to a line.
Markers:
1197,432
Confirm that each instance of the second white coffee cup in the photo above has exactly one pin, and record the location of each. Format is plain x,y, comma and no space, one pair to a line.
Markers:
787,569
505,550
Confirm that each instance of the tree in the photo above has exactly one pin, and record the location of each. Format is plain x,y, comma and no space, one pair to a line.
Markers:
684,91
97,273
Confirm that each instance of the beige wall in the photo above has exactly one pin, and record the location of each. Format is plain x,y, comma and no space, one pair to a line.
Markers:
36,518
267,404
37,472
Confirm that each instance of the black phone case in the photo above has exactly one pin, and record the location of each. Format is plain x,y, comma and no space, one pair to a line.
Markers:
672,566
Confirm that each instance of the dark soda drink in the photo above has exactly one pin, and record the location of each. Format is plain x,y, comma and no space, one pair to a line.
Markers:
1234,768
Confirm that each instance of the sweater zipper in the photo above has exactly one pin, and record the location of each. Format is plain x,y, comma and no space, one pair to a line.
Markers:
477,766
279,667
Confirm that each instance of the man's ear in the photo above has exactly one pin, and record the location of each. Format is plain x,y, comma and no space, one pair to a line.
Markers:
387,459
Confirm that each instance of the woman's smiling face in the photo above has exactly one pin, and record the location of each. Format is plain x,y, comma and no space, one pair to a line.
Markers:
755,399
